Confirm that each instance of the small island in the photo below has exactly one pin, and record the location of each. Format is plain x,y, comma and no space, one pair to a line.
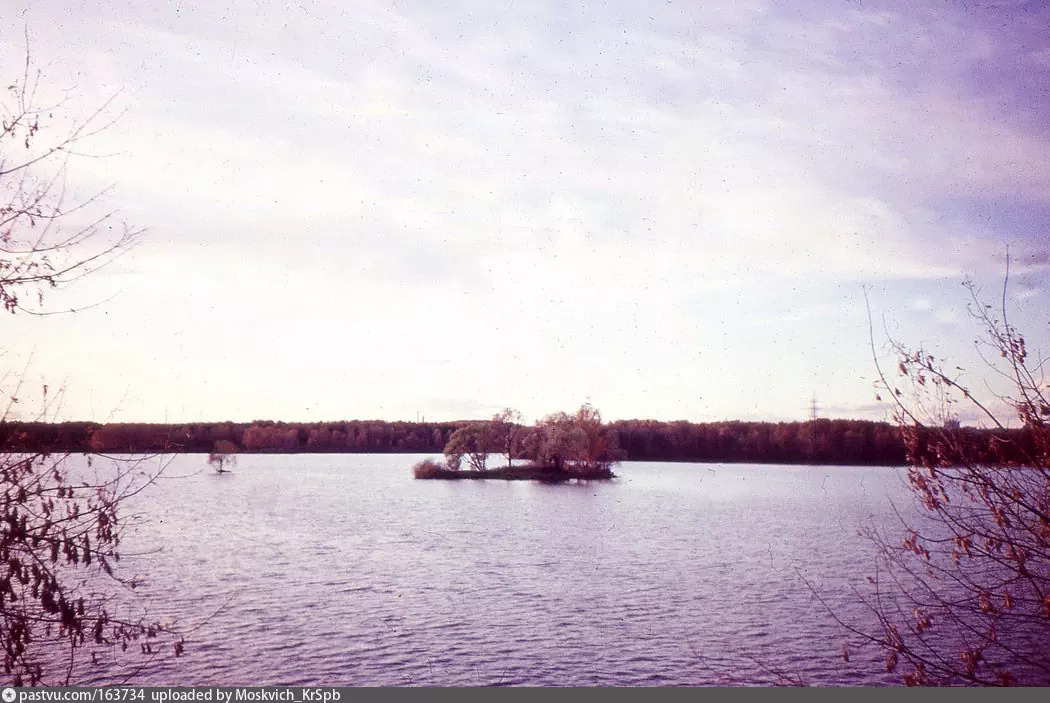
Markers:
558,448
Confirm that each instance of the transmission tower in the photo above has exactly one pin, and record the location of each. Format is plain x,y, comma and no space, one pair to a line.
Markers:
813,408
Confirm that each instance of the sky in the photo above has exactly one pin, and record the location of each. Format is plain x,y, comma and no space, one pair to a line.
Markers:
403,210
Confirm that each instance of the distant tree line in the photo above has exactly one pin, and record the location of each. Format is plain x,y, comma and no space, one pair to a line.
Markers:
814,442
851,442
262,437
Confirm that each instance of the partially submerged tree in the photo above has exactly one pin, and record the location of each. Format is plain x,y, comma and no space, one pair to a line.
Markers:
60,525
964,596
223,456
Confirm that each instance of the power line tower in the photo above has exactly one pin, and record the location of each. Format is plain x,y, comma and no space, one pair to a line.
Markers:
813,407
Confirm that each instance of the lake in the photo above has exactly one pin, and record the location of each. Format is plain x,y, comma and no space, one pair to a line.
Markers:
343,570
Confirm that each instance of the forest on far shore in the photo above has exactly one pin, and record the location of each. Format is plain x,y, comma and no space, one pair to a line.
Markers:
822,441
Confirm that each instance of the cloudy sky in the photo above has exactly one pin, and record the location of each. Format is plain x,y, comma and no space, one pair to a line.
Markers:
670,209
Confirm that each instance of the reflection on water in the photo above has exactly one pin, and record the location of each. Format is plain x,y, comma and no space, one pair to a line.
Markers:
343,570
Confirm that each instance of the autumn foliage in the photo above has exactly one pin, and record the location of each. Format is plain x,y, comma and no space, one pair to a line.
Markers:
843,442
962,596
61,591
557,446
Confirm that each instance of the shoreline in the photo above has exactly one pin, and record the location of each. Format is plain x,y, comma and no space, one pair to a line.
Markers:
546,474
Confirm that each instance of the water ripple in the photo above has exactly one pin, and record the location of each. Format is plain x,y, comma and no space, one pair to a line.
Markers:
343,570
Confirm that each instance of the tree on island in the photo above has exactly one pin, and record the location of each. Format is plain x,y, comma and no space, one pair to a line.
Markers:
963,596
474,442
555,441
559,443
60,526
506,433
564,442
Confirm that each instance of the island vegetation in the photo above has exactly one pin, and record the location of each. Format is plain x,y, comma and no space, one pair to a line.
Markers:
560,447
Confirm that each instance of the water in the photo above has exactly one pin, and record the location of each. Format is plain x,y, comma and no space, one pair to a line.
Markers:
343,570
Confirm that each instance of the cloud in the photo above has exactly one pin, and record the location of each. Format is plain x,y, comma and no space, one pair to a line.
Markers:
879,412
1026,293
920,305
558,199
464,408
670,138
